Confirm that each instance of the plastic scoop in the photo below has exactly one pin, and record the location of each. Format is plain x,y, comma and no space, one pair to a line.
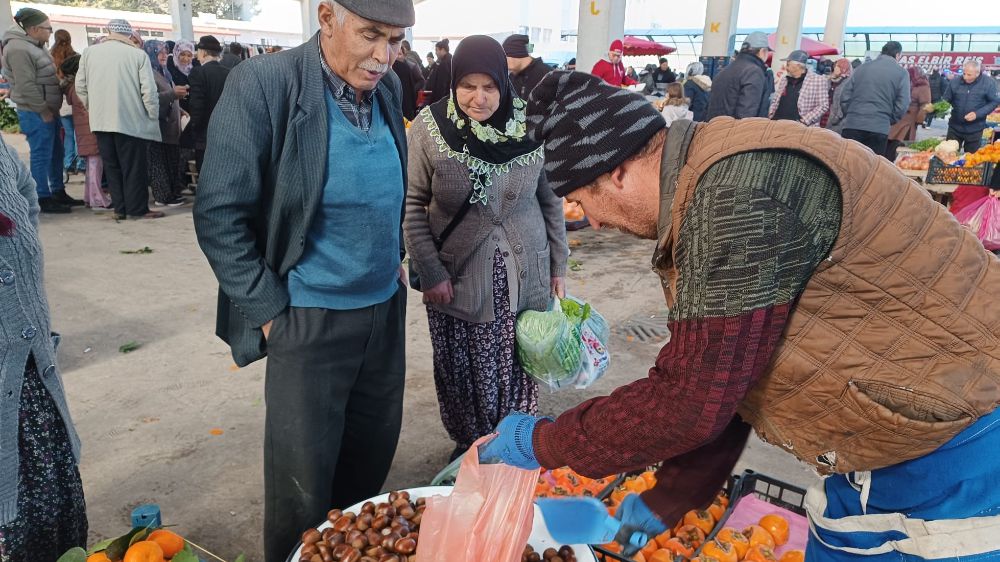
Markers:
587,521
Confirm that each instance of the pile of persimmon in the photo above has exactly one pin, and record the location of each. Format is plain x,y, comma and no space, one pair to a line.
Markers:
756,543
565,482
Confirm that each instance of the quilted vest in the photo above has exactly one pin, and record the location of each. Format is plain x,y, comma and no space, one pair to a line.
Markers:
894,345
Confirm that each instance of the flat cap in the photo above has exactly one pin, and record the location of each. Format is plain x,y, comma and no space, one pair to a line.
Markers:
397,13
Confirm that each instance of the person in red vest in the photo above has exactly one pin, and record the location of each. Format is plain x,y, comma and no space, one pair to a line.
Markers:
612,70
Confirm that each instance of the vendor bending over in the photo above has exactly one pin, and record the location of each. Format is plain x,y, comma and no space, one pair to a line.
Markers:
816,294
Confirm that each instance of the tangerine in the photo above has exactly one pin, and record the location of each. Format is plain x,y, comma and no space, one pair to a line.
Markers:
739,541
144,551
793,556
760,553
98,557
169,541
777,526
722,551
701,519
758,536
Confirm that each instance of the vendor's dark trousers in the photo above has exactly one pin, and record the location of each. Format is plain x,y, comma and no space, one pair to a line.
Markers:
334,396
125,167
969,142
875,141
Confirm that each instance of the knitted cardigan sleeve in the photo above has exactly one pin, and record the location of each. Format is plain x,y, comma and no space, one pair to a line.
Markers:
755,230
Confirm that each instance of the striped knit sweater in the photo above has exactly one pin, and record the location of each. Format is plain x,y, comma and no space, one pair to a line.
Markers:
758,226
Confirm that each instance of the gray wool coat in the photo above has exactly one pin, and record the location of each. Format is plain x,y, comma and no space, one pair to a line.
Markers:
24,322
524,219
262,182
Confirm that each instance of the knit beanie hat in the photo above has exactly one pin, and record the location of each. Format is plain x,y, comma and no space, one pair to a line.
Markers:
120,27
588,126
516,46
29,17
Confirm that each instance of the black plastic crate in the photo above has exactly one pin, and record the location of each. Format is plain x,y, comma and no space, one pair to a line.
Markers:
939,172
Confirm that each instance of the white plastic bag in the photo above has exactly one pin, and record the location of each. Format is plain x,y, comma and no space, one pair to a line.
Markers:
564,346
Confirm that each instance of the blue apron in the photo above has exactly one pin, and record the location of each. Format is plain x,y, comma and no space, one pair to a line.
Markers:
943,506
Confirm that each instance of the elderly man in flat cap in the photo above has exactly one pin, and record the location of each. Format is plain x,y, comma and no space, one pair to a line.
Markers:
299,213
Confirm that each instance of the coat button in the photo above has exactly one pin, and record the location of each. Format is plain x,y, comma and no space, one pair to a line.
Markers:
28,332
506,254
50,370
6,277
496,238
510,195
518,248
524,273
496,221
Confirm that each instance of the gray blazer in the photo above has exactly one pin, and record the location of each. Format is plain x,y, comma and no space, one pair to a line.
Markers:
262,182
876,96
24,321
524,219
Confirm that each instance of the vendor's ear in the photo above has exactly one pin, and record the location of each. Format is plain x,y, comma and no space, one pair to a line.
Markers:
617,176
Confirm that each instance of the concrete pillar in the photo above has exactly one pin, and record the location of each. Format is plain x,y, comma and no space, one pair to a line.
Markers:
180,12
789,35
720,28
6,15
310,19
601,22
836,23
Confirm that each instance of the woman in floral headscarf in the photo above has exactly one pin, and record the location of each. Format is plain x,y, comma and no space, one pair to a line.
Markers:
842,70
164,157
180,64
485,234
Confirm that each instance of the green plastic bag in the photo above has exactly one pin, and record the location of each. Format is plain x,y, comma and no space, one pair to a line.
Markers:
548,344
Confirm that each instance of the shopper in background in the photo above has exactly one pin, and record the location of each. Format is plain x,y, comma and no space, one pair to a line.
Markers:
412,55
920,104
675,107
233,56
180,66
507,252
973,96
743,89
611,69
660,77
802,95
60,51
939,85
429,67
698,89
412,82
86,142
164,156
526,71
875,98
34,87
841,72
439,81
115,83
207,82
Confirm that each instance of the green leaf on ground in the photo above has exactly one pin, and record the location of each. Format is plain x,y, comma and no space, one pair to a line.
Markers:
143,250
241,558
575,265
129,347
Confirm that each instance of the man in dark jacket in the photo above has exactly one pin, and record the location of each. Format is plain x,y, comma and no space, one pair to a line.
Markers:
744,88
299,214
972,96
659,78
938,88
233,56
525,71
411,80
439,81
875,98
207,82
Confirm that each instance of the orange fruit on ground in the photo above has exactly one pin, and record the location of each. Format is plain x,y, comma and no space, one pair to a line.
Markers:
735,538
169,541
701,519
760,553
144,551
98,557
667,554
660,539
691,535
716,510
793,556
777,526
758,536
722,551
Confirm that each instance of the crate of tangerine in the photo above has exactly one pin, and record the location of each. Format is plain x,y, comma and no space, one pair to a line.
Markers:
940,172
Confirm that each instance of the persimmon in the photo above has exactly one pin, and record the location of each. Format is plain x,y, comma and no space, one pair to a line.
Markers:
722,551
676,546
703,558
721,498
650,548
758,536
663,555
618,495
716,510
612,547
144,551
98,557
639,557
793,556
635,485
662,538
690,534
169,541
739,541
701,519
650,478
760,553
777,526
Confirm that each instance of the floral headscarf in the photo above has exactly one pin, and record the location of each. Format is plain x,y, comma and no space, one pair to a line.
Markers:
179,48
153,48
845,68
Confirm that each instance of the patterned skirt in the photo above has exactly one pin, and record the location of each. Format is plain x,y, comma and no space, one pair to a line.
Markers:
164,171
476,372
51,513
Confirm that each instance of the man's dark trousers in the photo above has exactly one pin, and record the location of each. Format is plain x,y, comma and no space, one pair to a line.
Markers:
969,142
334,397
124,160
875,141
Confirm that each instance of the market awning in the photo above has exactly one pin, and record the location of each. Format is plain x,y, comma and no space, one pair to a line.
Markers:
811,46
635,46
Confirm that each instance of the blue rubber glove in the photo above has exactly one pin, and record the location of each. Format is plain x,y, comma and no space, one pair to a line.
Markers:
635,515
512,445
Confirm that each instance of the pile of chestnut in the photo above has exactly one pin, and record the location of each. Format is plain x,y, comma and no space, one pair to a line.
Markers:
386,532
564,554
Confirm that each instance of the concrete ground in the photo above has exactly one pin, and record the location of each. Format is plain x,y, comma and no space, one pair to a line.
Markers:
176,423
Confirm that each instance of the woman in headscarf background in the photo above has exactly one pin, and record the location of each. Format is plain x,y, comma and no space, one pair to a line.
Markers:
842,70
60,51
86,142
469,155
164,157
920,103
179,66
697,88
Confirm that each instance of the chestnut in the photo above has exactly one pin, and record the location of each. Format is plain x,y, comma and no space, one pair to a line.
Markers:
364,522
389,540
309,549
386,509
368,507
406,511
316,558
380,522
352,555
405,545
333,515
389,558
534,557
342,524
311,536
330,537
